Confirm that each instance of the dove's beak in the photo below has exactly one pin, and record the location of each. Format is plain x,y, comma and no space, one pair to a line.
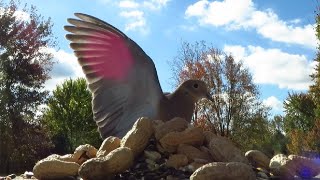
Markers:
208,96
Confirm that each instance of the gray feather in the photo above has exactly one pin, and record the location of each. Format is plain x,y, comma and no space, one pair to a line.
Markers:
117,103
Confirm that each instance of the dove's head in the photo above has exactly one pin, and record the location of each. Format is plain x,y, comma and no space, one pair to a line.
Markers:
196,89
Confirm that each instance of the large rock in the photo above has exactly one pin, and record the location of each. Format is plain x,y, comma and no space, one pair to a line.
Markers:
66,157
192,136
195,165
305,167
208,135
54,168
176,124
193,153
223,150
177,161
109,144
288,167
106,167
224,171
281,165
84,152
138,137
258,159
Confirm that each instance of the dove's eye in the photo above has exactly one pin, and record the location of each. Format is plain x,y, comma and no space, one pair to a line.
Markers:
196,86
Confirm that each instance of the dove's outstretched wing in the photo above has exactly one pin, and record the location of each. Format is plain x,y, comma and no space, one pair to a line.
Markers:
120,75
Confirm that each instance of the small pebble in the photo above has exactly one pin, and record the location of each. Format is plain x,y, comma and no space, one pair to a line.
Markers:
152,155
149,161
27,174
12,176
262,175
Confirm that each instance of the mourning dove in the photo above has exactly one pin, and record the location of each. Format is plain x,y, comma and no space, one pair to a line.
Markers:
123,79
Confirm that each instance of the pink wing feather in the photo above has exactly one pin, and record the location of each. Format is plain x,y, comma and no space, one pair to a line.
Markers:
115,67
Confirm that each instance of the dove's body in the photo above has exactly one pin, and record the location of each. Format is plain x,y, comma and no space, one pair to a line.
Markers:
123,79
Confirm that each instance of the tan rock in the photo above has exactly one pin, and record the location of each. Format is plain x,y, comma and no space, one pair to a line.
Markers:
206,150
224,171
153,167
102,153
223,150
191,136
106,167
53,156
288,167
51,168
66,157
176,124
177,161
156,123
138,137
258,159
162,150
208,135
281,165
277,161
305,167
170,177
149,161
195,165
152,155
203,161
262,175
84,152
193,153
109,144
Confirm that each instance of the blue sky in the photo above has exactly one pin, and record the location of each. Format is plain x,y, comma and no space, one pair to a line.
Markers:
275,39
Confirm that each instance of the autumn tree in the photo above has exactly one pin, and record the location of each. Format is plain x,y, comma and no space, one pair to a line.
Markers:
236,110
296,141
69,116
24,68
314,89
313,136
303,111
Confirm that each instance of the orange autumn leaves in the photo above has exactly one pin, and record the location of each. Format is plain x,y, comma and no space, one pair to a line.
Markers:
195,70
305,141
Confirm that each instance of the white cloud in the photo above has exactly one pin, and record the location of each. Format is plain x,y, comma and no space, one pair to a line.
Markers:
134,12
155,4
66,67
136,20
23,16
52,83
20,15
105,1
295,21
188,27
274,103
128,4
220,13
270,26
273,66
236,14
197,9
238,52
